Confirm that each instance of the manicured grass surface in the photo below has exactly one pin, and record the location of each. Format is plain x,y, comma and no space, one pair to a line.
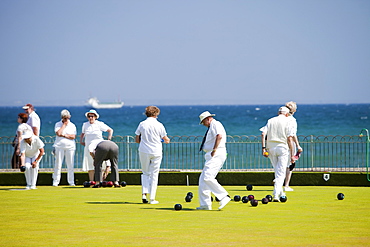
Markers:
77,216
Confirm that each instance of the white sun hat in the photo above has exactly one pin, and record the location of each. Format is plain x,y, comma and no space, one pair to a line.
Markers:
205,115
92,111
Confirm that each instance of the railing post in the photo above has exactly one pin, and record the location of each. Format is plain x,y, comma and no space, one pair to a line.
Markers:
367,152
128,151
312,151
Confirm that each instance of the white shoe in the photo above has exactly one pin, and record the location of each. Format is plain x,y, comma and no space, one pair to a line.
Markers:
276,200
154,202
204,207
27,187
72,185
33,188
288,189
223,202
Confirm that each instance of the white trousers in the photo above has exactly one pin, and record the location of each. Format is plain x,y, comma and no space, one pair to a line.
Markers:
279,157
150,165
31,173
68,155
207,180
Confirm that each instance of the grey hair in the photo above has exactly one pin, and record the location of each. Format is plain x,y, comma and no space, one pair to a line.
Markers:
292,106
65,113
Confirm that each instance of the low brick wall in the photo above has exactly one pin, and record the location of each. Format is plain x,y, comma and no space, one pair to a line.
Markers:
225,178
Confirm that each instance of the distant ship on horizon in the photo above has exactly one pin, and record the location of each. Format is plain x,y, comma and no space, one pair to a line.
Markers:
95,103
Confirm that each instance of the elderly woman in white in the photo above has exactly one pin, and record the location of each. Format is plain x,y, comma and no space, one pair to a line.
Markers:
292,106
92,130
65,147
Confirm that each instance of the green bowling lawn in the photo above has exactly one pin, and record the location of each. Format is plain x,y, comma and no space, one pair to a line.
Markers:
77,216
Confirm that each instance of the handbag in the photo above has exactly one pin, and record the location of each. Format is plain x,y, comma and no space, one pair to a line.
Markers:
14,142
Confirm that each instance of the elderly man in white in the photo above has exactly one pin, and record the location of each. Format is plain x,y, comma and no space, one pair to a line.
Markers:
33,119
214,146
277,143
32,150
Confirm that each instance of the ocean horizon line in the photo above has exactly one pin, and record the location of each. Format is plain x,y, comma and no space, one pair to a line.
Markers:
144,105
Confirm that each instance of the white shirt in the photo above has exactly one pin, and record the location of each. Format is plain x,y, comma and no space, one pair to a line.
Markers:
33,149
215,128
151,132
294,124
34,121
278,130
94,131
62,142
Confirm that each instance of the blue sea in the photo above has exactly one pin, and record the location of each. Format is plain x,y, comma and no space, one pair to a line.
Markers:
328,119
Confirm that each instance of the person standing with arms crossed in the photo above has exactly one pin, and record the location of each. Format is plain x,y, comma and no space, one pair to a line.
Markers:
276,146
149,135
292,106
214,146
65,147
33,119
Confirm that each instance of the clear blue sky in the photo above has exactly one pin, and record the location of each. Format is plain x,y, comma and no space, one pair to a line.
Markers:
184,52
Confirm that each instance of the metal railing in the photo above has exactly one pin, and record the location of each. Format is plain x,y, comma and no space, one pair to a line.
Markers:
321,153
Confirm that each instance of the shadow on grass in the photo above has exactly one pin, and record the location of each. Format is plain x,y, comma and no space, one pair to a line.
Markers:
184,209
14,189
172,209
250,191
73,187
133,203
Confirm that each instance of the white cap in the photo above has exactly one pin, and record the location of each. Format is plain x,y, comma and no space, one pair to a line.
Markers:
27,134
283,110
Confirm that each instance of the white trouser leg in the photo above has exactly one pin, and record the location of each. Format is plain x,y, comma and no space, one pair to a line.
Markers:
59,156
145,177
154,171
204,191
279,158
149,179
208,182
31,173
34,174
27,172
69,158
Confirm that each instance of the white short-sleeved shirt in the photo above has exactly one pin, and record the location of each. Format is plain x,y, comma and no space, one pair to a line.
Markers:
278,130
94,131
33,149
34,121
215,128
294,125
151,131
62,142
